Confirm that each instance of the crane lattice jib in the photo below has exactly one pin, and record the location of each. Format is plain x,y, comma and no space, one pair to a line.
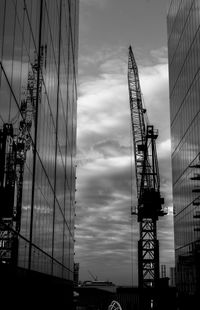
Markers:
137,117
144,136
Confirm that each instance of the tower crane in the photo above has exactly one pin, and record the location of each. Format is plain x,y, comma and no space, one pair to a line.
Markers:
150,202
95,278
14,144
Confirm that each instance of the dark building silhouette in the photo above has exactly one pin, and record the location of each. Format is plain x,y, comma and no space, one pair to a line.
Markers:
172,282
184,73
76,274
101,297
38,111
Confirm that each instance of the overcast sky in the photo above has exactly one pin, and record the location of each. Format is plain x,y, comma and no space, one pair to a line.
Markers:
106,234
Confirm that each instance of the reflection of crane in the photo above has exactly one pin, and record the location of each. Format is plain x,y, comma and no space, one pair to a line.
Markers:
147,181
14,144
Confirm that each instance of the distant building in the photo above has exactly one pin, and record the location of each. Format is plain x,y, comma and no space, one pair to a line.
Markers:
184,81
76,274
172,281
38,112
163,271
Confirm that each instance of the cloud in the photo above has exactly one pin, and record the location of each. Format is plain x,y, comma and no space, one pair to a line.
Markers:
160,55
105,165
100,4
111,148
164,148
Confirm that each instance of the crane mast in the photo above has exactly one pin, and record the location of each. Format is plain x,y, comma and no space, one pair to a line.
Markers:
150,203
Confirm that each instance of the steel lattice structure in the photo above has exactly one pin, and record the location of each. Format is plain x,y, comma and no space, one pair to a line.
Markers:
147,180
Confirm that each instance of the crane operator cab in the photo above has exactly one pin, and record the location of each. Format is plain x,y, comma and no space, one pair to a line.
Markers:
150,205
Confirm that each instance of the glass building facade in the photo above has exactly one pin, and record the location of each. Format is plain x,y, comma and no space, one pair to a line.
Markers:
38,68
184,80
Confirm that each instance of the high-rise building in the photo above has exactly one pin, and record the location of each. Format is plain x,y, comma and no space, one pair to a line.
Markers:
38,94
184,81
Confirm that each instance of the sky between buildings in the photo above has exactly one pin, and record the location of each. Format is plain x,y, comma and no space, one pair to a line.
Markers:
106,234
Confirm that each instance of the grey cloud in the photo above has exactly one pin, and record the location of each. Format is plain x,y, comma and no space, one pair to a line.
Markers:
109,148
97,3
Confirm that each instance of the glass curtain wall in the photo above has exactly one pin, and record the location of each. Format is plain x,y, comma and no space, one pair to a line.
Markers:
38,45
184,79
